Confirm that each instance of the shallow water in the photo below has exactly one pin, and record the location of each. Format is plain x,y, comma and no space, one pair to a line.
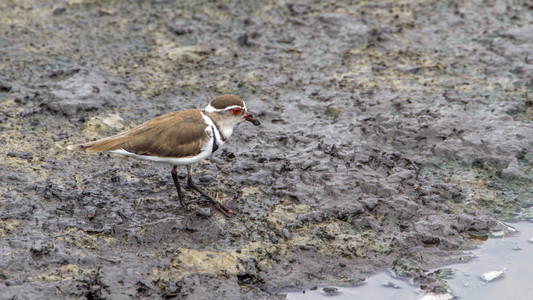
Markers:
381,286
513,255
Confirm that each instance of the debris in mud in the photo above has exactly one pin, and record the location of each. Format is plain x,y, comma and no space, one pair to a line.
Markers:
492,275
391,284
331,291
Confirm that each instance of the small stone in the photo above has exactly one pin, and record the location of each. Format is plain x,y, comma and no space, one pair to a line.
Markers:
331,291
264,266
284,233
512,171
179,28
4,87
59,11
273,238
4,275
204,212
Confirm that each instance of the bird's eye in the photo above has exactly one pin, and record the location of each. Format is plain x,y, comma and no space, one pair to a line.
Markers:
236,111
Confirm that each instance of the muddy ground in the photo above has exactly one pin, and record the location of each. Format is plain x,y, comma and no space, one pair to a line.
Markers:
394,134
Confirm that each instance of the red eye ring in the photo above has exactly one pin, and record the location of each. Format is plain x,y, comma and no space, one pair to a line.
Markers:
236,111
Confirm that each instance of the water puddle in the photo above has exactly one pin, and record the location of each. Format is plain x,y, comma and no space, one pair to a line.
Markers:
502,269
380,286
513,256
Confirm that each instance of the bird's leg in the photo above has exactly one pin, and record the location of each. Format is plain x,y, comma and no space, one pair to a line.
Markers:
177,184
226,211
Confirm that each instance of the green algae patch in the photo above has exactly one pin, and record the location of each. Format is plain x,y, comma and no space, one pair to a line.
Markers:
508,196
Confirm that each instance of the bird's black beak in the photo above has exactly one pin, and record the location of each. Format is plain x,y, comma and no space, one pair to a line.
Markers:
250,118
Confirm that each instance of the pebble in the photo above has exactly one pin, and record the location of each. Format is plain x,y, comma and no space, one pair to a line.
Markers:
490,276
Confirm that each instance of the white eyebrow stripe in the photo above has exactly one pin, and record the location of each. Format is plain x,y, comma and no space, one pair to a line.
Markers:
234,106
210,108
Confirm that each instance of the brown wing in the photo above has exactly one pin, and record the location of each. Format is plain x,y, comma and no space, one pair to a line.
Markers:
176,134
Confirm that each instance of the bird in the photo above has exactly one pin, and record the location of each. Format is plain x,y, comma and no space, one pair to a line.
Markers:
179,138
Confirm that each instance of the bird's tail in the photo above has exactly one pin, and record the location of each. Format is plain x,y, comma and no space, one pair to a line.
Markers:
79,147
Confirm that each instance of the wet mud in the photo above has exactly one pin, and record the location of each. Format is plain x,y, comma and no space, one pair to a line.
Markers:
392,135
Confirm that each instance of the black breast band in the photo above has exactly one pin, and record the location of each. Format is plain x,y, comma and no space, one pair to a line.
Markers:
215,145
